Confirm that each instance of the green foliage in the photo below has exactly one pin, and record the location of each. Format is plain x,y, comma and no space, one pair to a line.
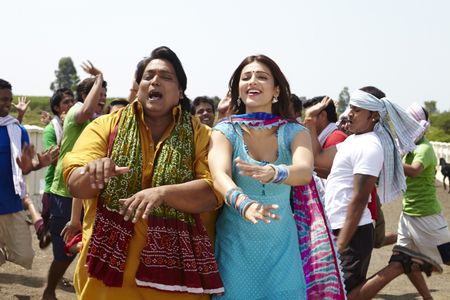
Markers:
344,98
436,134
216,101
66,75
440,127
442,121
430,106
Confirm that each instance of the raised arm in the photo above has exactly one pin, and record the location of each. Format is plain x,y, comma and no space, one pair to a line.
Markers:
91,101
22,107
323,158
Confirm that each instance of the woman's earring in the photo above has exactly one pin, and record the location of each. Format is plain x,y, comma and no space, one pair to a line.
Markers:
275,99
239,101
373,120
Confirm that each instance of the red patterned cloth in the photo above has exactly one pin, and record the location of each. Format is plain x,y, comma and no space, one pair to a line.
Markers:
178,254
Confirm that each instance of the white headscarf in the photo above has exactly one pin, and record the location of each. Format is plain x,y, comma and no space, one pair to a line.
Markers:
417,112
391,182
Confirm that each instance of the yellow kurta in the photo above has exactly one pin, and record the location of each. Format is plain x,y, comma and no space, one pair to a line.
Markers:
93,144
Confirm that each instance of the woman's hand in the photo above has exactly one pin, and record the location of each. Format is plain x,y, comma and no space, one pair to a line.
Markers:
101,170
263,174
257,211
141,204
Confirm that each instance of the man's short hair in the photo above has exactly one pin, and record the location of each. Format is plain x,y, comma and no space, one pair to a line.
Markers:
373,91
202,99
296,104
330,109
5,85
117,101
85,87
58,96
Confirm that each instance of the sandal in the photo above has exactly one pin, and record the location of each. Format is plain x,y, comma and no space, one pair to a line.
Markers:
407,257
66,285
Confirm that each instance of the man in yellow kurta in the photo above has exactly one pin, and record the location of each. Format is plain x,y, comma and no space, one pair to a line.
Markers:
146,240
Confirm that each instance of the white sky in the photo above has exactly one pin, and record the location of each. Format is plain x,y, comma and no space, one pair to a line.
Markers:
400,46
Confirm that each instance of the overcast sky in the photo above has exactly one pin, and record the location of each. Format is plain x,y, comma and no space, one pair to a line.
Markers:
401,46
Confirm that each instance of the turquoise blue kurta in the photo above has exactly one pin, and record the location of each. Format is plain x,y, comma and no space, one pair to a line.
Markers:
260,261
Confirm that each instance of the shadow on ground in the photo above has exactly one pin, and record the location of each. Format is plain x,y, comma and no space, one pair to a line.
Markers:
30,281
409,296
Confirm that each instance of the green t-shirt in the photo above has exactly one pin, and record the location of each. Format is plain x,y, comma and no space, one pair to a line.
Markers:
71,132
49,140
420,196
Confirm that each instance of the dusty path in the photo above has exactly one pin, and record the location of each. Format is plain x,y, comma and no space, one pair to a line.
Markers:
17,283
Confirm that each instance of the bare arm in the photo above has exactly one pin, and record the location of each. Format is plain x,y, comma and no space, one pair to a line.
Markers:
323,158
362,186
413,170
91,101
28,164
300,172
219,161
74,225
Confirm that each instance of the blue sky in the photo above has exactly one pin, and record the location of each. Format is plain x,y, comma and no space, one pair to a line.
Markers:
402,47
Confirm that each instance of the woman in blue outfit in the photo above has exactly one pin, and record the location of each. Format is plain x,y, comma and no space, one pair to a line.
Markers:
255,157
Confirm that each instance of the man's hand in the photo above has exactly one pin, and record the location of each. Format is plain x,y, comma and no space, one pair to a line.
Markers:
22,107
45,118
70,230
101,170
48,157
89,68
141,204
316,109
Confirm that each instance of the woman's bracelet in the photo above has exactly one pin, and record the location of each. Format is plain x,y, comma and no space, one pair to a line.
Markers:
233,195
244,204
281,173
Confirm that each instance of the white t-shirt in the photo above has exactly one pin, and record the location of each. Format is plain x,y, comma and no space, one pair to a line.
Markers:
358,154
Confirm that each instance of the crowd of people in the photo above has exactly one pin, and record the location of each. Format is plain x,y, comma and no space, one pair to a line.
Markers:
167,198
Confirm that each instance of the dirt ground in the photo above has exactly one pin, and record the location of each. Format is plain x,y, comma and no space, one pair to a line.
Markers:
17,283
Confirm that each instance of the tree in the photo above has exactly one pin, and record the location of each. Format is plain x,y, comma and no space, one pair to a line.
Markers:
66,75
430,106
344,98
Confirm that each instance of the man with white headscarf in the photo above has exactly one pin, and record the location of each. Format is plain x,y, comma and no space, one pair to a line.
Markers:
422,225
368,156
